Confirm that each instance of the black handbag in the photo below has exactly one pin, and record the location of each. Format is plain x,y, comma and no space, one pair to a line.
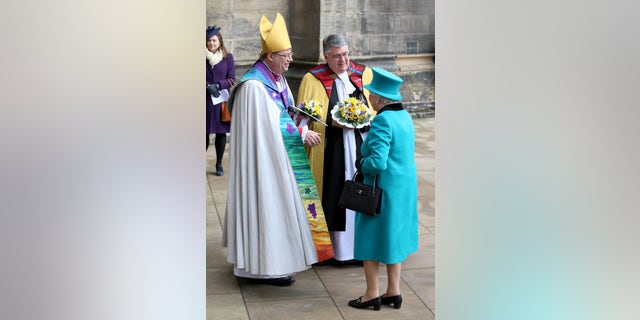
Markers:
361,197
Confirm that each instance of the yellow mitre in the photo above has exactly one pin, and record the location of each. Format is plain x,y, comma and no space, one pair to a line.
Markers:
274,36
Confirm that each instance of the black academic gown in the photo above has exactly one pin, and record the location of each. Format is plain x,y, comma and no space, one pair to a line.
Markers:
333,179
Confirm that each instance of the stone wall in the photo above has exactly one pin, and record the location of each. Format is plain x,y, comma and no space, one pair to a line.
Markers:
240,22
395,35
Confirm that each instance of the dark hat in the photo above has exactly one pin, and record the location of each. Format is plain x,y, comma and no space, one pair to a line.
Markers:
212,30
385,84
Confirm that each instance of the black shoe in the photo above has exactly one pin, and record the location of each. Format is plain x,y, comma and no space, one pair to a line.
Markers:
219,170
352,262
280,282
338,263
375,303
328,262
395,300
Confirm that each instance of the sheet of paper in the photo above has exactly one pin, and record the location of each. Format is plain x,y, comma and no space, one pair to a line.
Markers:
224,96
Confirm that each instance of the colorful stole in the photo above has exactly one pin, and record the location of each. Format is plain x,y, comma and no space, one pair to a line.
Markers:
298,159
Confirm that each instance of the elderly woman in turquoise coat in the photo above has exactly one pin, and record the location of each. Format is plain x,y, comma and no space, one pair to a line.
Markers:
387,154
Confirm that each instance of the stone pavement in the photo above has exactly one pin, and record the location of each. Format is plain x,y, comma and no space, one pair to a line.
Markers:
322,292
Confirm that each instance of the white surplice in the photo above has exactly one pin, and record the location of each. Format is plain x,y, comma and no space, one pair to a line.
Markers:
266,229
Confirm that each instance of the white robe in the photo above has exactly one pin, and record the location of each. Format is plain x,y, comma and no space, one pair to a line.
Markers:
266,229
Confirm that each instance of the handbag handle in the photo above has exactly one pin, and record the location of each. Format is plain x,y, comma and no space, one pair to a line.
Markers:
355,174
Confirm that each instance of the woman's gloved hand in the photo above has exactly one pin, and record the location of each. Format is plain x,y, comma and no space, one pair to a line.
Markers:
214,89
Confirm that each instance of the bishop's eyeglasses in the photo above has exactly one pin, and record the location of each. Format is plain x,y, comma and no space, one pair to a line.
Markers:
285,55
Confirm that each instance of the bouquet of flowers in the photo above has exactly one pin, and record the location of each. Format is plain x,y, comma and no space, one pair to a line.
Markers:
352,113
310,108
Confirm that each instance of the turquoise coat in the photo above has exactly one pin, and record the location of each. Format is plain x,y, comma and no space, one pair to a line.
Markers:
388,153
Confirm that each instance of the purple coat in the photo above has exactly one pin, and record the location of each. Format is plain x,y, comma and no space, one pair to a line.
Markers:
224,74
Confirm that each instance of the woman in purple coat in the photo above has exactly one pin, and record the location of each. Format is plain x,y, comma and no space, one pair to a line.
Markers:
221,75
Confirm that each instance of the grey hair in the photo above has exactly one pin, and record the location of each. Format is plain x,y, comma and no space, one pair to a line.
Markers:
384,101
334,40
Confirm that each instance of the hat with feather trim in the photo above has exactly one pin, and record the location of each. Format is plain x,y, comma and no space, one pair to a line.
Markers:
212,30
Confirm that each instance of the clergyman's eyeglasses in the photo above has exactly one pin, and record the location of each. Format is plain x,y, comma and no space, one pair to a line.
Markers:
285,55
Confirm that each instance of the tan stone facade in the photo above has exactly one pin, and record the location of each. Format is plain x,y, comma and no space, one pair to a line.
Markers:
396,35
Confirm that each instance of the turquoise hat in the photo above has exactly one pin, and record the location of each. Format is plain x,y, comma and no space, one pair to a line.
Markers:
385,84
